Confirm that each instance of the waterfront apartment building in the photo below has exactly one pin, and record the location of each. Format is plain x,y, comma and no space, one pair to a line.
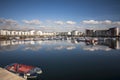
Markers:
114,31
37,33
101,33
111,32
63,33
73,33
24,33
89,32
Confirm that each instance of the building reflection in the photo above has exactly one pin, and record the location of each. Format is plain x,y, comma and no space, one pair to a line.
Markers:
105,44
108,42
111,43
9,45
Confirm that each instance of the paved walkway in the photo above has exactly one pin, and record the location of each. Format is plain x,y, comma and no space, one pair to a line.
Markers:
6,75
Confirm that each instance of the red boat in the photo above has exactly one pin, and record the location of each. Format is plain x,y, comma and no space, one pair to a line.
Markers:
24,70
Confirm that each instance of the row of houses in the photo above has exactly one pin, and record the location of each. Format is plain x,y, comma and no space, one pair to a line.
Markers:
37,33
72,33
98,33
111,32
24,33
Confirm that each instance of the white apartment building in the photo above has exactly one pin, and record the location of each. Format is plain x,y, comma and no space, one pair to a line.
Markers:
39,33
31,32
20,33
74,33
48,33
3,32
25,33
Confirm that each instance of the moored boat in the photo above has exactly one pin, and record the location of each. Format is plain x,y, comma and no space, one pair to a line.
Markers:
82,39
92,41
24,70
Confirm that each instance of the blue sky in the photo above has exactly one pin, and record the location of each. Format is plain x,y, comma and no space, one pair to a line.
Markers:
57,15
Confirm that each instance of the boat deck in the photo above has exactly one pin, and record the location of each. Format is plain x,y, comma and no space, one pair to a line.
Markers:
6,75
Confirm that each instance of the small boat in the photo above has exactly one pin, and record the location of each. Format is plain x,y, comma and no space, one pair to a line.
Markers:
92,40
24,70
27,39
82,39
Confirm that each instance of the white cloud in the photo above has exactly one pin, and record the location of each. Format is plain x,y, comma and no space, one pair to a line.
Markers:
32,22
90,22
2,20
71,22
67,22
117,23
58,25
8,21
105,22
8,24
59,22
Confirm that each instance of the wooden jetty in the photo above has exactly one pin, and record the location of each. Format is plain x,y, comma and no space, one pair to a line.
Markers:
6,75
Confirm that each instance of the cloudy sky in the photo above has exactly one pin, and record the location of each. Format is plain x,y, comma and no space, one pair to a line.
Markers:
59,15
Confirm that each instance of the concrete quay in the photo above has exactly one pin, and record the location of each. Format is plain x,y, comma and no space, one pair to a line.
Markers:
6,75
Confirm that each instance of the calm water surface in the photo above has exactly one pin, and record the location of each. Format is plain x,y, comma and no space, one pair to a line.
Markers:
65,60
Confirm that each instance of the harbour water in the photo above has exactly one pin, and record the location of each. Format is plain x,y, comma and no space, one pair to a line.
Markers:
65,59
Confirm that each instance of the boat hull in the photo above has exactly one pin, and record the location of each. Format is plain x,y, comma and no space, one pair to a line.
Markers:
24,70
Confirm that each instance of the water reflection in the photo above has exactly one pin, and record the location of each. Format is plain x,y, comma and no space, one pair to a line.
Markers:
70,47
96,47
108,43
8,46
35,45
114,44
105,44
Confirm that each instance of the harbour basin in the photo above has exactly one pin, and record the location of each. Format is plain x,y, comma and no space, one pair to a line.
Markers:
65,59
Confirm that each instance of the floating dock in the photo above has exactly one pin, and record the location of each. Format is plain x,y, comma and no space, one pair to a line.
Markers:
6,75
